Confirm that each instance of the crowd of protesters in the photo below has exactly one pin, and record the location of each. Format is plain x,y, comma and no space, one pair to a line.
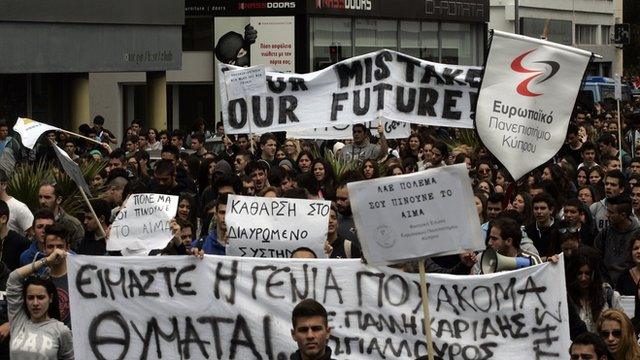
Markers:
583,203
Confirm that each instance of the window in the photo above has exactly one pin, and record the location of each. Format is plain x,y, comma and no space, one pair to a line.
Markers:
605,34
586,34
419,39
558,31
450,43
458,47
373,34
327,33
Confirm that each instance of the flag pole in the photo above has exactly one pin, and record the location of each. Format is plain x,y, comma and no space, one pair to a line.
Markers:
425,308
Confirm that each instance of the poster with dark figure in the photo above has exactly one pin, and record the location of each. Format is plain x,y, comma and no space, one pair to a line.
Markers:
235,49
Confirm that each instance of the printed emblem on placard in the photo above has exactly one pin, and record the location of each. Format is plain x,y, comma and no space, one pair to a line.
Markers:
385,237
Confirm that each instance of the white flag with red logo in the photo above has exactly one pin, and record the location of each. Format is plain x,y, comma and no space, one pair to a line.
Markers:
527,96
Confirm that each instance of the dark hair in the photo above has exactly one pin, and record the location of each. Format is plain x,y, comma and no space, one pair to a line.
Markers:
256,165
228,180
266,137
118,154
305,249
170,149
589,257
496,198
165,167
623,204
572,129
177,133
296,193
359,125
3,176
133,138
193,211
588,146
617,174
308,308
198,135
588,338
545,198
50,287
222,199
58,230
509,228
607,139
98,120
4,209
43,213
102,209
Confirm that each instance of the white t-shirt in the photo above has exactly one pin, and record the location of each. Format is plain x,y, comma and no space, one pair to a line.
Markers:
20,217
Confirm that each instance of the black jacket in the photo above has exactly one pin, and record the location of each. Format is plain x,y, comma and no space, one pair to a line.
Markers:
327,355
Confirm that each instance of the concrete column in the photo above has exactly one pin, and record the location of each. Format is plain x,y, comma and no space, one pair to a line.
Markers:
156,100
79,101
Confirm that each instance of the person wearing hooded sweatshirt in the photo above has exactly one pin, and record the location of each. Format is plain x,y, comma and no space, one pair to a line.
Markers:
613,242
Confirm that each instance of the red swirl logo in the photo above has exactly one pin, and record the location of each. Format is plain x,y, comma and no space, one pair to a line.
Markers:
523,87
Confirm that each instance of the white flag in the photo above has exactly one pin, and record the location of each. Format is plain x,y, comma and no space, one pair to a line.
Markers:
528,92
30,130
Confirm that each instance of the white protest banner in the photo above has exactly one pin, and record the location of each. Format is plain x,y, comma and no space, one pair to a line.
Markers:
143,223
528,92
275,227
392,130
30,130
72,169
246,82
431,212
238,308
387,83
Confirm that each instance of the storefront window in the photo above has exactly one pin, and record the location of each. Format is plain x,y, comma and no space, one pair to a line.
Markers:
374,34
330,34
197,34
419,39
450,43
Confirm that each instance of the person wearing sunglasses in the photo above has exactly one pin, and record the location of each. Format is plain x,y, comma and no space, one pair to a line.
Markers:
36,332
615,328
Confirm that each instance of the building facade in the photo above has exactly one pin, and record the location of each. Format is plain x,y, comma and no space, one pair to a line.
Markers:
586,24
301,36
53,52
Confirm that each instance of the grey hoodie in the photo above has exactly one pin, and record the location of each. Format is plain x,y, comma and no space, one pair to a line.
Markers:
45,340
615,247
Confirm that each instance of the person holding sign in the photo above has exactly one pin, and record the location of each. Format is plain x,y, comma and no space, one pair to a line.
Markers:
311,331
337,246
33,309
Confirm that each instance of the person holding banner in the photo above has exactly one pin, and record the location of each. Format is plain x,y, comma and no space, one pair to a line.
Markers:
337,246
32,300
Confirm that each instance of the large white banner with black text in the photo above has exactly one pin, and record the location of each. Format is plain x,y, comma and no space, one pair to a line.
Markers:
528,92
383,84
179,307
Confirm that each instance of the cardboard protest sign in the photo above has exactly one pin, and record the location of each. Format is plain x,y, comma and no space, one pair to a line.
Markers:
239,308
528,92
396,86
275,227
143,223
410,216
392,130
30,131
72,169
246,82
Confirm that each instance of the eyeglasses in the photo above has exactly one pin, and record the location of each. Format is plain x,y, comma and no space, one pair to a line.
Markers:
569,230
606,333
484,171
